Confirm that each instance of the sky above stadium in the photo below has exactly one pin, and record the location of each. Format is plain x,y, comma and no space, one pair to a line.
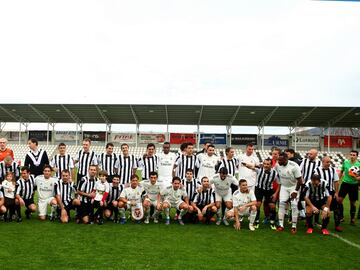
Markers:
180,52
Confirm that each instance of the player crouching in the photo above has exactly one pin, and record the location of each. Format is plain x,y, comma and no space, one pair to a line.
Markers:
101,190
152,189
204,202
133,198
244,204
173,198
112,201
317,199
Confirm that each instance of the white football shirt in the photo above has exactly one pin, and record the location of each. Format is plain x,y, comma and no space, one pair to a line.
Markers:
287,174
45,187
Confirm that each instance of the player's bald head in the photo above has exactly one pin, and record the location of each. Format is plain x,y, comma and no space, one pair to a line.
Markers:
313,153
326,161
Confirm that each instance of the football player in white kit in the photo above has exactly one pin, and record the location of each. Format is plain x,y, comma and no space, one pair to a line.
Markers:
248,161
222,182
45,186
174,197
152,189
133,198
290,181
244,204
206,163
165,166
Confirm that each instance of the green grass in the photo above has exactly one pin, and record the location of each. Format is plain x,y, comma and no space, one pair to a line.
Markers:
44,245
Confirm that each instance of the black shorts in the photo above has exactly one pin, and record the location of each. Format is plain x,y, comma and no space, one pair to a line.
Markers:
67,208
78,178
260,194
334,203
9,202
319,204
28,202
351,189
86,209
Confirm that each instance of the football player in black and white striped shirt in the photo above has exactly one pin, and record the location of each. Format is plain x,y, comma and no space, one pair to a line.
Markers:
148,162
185,161
317,199
230,162
190,184
109,161
265,177
9,165
127,164
85,189
65,196
308,166
329,174
204,202
62,161
84,159
112,200
36,158
25,189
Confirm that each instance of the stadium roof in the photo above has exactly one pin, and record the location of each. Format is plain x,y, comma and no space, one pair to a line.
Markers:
182,115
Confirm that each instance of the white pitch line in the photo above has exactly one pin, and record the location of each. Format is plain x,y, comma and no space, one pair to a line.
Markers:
342,239
345,240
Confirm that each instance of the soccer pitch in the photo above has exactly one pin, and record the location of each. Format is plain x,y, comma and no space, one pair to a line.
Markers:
50,245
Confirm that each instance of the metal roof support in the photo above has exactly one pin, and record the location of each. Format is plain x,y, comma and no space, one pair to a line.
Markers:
339,117
72,115
167,124
102,114
233,117
108,131
268,117
16,117
228,131
2,125
200,116
198,137
136,119
41,114
298,121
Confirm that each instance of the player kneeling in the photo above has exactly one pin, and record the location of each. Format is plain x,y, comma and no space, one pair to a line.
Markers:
133,198
204,202
244,204
112,201
317,199
65,191
173,198
152,189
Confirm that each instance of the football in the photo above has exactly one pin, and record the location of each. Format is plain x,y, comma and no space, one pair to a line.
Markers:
354,171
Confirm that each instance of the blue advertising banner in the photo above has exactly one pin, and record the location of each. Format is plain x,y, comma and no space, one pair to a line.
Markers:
213,138
276,141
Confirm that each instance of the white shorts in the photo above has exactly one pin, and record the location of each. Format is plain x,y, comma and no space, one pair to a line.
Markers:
153,203
244,213
174,205
285,193
42,205
226,198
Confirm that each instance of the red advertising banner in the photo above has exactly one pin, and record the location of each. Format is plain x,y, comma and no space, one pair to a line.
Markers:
339,141
179,138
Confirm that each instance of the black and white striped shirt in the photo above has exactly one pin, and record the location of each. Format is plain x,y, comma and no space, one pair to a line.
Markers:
329,175
265,179
191,187
148,165
114,193
184,162
14,167
108,163
307,167
85,159
230,164
86,185
205,197
26,188
65,191
62,163
317,193
36,161
126,165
